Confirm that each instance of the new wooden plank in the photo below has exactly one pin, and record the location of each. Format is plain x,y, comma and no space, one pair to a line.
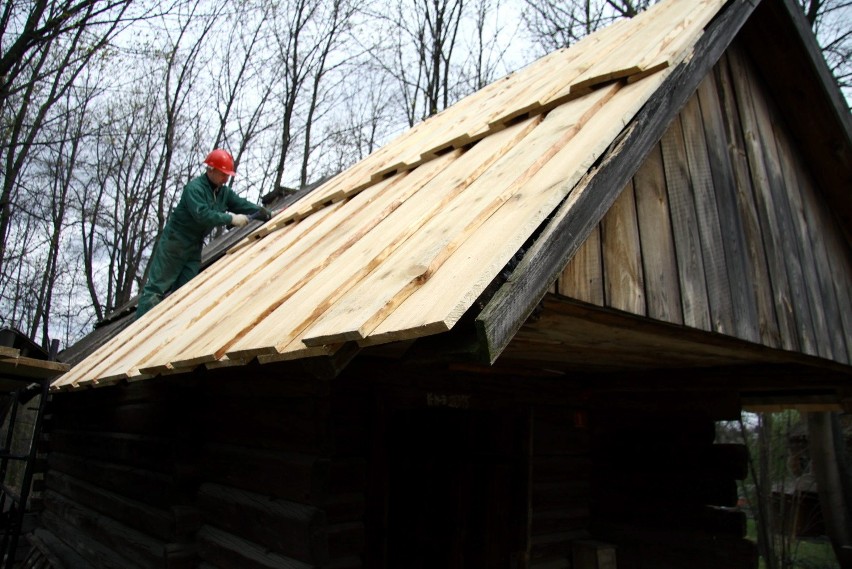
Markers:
659,261
198,299
280,279
518,296
675,44
644,51
687,239
204,300
755,279
582,279
706,209
469,119
141,329
624,283
448,232
776,244
288,320
550,89
444,298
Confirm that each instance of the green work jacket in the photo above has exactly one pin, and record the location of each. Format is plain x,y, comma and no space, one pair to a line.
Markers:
201,208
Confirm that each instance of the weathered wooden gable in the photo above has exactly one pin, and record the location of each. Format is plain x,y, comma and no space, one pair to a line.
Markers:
724,229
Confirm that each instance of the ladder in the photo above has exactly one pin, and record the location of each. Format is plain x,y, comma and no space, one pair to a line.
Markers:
13,501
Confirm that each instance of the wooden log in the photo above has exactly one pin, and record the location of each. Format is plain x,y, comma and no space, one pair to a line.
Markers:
118,448
293,424
548,521
555,544
137,515
588,554
95,553
287,528
346,540
154,488
140,549
226,550
296,477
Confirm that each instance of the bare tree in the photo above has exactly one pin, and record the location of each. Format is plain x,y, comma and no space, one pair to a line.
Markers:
40,65
554,24
419,53
830,20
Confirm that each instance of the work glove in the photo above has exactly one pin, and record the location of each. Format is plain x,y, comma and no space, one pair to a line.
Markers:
239,220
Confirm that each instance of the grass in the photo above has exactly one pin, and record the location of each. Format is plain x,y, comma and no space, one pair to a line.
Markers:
805,553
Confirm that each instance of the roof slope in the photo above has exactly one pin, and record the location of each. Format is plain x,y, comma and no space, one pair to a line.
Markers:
402,244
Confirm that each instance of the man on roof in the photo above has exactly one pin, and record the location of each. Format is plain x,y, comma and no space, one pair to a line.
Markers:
206,202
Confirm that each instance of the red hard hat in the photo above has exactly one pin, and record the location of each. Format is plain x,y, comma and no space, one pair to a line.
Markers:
221,160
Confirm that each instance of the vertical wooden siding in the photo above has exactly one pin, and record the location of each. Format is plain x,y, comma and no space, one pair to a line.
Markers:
723,229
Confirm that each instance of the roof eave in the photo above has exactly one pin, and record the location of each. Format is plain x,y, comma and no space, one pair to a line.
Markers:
584,208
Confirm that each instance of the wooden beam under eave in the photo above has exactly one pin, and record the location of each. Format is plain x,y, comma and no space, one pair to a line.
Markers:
509,308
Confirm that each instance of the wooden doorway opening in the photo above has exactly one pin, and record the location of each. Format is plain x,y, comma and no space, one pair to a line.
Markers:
456,489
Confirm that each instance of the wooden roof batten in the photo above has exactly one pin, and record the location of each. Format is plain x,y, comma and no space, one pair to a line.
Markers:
574,145
583,209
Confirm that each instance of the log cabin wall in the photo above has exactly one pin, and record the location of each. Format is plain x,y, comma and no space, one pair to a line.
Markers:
236,470
723,229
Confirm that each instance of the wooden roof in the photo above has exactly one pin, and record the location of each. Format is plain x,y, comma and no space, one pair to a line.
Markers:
401,245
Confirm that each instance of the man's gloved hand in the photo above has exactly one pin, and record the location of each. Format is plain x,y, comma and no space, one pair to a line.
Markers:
239,220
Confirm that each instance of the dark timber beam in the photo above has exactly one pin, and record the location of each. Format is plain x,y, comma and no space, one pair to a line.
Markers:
595,193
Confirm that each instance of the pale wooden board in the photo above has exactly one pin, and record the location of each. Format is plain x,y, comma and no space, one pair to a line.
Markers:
707,214
659,262
536,88
662,35
155,332
290,319
358,314
301,266
113,352
438,304
624,281
8,352
693,287
227,305
755,280
582,279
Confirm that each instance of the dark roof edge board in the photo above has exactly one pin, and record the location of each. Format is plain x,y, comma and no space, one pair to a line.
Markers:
790,62
589,201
